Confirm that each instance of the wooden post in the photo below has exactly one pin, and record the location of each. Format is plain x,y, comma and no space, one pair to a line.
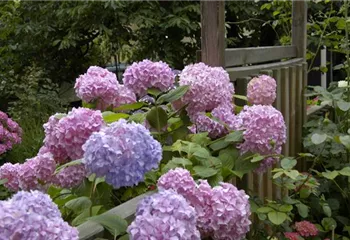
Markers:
299,20
213,33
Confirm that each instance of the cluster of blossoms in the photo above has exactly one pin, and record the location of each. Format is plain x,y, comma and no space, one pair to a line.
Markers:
122,152
164,215
10,133
33,216
303,229
210,92
146,74
102,87
222,212
262,90
264,132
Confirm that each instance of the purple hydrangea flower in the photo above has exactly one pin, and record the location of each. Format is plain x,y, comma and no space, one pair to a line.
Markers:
262,90
141,76
64,137
231,211
210,87
33,216
97,84
9,171
164,215
124,96
179,180
264,132
71,176
123,152
10,133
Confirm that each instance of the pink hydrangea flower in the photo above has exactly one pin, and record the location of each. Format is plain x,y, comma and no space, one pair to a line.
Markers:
210,87
264,132
71,176
179,180
65,137
292,235
10,133
124,96
146,74
306,229
262,90
9,171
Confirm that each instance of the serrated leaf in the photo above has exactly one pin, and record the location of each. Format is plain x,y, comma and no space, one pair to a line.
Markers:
228,157
219,145
79,204
82,217
113,223
317,138
181,161
173,95
277,218
236,136
157,118
257,158
204,172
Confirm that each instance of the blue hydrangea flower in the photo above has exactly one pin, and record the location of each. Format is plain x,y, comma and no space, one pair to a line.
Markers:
122,152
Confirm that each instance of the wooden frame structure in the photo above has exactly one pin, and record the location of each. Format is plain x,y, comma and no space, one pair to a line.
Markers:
287,64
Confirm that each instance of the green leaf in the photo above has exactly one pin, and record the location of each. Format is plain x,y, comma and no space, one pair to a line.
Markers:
137,117
345,140
345,171
113,223
219,145
173,95
303,210
341,24
181,161
344,106
202,153
200,138
82,217
257,158
330,175
329,224
154,92
204,172
132,106
327,210
72,163
244,98
285,208
3,181
293,174
79,204
317,138
264,210
277,175
110,117
236,136
306,155
157,118
228,157
215,180
277,218
304,193
288,163
124,237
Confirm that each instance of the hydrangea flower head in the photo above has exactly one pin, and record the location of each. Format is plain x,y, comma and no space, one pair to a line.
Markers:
209,87
71,176
33,216
123,96
264,132
64,137
292,235
9,171
231,211
306,229
97,84
164,215
10,133
179,180
146,74
122,152
262,90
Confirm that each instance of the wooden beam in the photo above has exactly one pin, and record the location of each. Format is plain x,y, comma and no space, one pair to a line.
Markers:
213,33
299,31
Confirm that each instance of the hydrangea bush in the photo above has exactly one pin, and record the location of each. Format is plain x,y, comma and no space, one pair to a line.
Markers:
10,133
179,135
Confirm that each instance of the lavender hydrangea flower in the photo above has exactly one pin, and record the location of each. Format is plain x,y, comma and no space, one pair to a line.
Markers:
123,96
210,87
179,180
123,152
262,90
164,215
64,137
9,171
10,133
264,132
71,176
33,216
231,211
146,74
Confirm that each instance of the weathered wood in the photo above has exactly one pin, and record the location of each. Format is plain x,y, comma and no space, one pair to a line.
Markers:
241,89
276,73
299,105
91,230
285,104
292,110
242,56
213,32
299,30
238,72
